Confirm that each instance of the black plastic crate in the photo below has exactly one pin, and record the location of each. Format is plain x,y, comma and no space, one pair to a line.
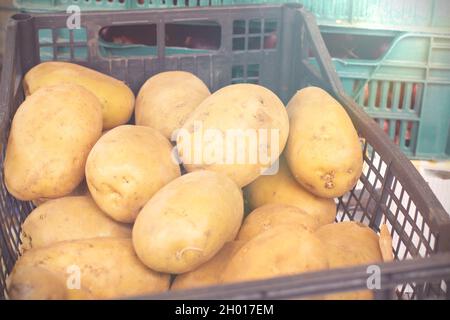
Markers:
390,189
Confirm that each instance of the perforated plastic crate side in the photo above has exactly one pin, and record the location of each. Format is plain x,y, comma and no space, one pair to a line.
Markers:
390,189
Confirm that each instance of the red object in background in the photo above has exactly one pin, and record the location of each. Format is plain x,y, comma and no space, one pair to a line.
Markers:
408,132
206,37
389,100
136,34
270,41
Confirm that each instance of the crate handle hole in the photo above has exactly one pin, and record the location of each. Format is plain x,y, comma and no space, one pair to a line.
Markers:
200,35
189,37
144,34
21,17
356,46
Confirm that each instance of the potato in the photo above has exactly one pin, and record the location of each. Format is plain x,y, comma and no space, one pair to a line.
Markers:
272,215
209,273
35,283
126,167
350,295
284,189
349,244
323,150
385,243
51,135
167,99
188,221
240,130
80,190
280,251
356,243
69,218
108,268
116,98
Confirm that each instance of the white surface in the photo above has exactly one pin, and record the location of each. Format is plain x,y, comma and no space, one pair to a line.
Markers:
437,174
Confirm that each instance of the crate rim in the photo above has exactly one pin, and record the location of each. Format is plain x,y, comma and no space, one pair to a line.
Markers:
350,278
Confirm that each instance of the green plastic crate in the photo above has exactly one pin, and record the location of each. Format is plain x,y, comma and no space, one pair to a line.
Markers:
400,15
411,15
407,91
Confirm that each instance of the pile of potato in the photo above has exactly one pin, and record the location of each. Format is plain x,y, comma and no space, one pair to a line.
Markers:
118,216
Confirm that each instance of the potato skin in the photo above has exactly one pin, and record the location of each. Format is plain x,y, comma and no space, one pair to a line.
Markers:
323,149
209,273
109,267
69,218
51,135
80,190
272,215
357,243
126,167
280,251
244,107
116,98
282,188
350,244
188,221
36,283
166,100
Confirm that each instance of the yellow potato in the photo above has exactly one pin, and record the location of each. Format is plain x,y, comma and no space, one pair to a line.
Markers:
355,243
36,283
349,244
280,251
272,215
167,99
116,98
188,221
103,268
323,150
209,273
126,167
240,130
284,189
51,135
69,218
385,242
80,190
